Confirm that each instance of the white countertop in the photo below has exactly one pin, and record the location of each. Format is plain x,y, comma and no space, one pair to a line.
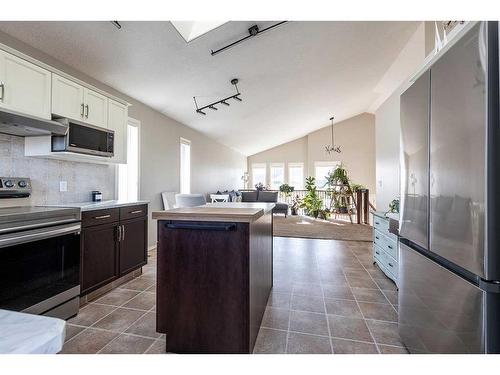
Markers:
221,211
90,206
30,334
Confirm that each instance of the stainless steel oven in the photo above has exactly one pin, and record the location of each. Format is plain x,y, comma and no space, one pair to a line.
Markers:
84,139
40,260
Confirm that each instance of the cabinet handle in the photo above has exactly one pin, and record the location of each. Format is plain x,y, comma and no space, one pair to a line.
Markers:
2,87
87,111
82,112
123,232
102,217
135,212
119,233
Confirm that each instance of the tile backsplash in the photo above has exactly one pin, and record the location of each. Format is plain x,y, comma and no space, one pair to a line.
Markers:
46,174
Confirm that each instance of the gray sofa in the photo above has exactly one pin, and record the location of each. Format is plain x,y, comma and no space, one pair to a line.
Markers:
265,197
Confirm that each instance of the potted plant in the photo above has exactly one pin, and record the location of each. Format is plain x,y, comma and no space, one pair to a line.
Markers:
259,186
311,202
295,205
287,190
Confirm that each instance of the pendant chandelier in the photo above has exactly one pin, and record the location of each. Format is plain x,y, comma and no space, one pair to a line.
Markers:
331,148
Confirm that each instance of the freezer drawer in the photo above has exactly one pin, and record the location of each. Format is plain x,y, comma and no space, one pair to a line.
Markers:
439,312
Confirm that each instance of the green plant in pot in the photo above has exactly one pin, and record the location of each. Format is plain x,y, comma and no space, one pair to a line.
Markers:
296,203
287,190
311,202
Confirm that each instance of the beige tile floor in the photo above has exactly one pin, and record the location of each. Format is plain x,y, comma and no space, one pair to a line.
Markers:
328,297
121,321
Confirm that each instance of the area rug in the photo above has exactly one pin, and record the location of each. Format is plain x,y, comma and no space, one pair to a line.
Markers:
308,227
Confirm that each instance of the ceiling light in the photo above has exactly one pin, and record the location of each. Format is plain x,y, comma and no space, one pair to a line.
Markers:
331,148
211,106
252,32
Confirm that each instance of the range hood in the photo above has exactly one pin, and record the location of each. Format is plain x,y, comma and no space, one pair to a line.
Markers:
15,123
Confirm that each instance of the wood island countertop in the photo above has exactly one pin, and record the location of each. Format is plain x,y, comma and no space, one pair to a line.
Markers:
236,212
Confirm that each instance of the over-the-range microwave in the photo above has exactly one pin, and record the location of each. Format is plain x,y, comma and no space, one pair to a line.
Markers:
84,139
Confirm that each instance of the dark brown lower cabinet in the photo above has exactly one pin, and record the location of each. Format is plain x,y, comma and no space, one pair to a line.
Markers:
133,246
113,243
99,256
214,279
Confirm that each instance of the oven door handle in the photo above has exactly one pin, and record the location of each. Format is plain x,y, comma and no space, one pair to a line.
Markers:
38,234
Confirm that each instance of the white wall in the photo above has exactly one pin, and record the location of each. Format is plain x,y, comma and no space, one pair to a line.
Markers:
356,137
387,117
214,166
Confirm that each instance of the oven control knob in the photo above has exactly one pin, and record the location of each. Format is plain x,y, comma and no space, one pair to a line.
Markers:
9,184
22,184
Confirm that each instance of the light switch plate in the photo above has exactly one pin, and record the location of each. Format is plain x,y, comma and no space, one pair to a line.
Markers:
63,186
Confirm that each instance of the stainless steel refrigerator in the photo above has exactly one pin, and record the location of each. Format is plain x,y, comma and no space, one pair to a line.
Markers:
449,272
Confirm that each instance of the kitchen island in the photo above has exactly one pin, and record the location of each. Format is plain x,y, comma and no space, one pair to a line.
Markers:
214,276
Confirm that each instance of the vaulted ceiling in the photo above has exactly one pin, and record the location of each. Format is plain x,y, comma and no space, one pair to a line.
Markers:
292,78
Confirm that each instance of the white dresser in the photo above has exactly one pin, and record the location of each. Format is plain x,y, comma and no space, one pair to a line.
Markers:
385,246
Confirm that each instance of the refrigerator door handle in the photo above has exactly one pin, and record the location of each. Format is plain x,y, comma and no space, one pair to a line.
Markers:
489,286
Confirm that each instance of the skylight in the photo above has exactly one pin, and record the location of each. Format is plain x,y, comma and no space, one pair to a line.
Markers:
193,29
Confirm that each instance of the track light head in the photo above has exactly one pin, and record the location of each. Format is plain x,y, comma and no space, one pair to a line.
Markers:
236,97
212,108
224,102
201,112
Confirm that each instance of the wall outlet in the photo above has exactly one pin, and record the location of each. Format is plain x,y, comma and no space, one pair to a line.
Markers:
63,186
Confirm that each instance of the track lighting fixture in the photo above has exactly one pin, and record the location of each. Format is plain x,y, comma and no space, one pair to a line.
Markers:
212,106
252,32
116,24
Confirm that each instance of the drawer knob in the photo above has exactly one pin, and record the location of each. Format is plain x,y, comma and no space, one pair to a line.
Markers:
377,223
102,217
376,252
377,237
389,246
390,264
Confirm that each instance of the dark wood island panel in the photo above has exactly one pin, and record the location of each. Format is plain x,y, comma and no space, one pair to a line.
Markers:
214,279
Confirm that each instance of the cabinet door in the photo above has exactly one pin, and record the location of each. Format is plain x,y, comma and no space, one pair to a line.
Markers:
99,256
117,121
67,98
25,87
96,108
133,247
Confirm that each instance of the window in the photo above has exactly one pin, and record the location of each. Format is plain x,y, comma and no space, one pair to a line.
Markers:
296,175
321,170
277,175
128,174
185,166
258,174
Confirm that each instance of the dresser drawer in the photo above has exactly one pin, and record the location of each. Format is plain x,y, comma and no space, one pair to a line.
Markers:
391,247
381,224
130,212
378,254
379,239
97,217
391,265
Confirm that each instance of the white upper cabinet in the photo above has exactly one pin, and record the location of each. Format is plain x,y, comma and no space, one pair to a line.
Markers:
74,101
24,87
117,121
95,108
67,98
